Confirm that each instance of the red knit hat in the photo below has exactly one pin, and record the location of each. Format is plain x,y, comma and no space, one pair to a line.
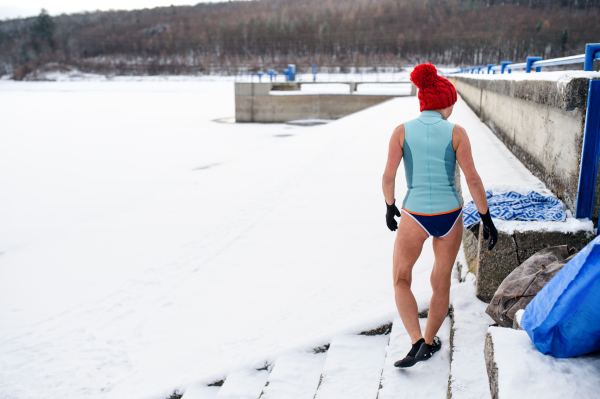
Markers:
435,92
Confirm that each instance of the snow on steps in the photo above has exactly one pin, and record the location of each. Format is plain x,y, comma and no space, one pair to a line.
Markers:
354,366
201,392
243,384
517,370
295,376
424,380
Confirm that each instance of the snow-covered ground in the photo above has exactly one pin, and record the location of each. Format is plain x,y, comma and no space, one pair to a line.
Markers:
146,248
56,73
524,372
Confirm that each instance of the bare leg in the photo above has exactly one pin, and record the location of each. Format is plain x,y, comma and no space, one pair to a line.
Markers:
407,248
445,250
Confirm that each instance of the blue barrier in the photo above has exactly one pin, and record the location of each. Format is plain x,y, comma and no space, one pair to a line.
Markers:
272,74
588,169
531,60
503,65
592,53
290,74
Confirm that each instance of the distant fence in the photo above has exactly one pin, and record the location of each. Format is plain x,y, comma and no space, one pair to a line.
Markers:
590,152
592,53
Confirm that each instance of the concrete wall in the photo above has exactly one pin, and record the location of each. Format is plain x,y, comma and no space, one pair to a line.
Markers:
512,249
541,122
253,103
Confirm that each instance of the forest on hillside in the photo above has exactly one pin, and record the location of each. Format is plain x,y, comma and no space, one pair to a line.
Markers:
238,36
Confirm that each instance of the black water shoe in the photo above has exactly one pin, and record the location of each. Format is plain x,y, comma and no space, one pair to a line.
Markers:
426,351
410,360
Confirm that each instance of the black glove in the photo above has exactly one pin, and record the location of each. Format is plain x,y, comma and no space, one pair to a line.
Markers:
392,211
489,230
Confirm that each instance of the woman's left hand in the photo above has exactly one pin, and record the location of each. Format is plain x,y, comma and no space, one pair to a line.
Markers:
392,211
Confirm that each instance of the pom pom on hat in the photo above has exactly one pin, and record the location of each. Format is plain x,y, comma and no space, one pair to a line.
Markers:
435,92
423,75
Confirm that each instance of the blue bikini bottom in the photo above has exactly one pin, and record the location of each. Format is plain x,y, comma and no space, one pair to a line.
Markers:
437,224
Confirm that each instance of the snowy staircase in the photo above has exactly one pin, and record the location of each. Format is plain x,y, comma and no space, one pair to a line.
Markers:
518,370
351,367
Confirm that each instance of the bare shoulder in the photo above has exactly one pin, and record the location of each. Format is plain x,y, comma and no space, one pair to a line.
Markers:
458,134
459,130
398,134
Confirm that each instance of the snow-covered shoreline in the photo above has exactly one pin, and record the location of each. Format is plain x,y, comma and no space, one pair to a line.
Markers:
146,248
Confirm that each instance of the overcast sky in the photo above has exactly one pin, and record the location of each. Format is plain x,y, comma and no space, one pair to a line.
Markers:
27,8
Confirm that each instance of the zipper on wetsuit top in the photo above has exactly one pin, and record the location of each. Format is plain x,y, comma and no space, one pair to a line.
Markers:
429,172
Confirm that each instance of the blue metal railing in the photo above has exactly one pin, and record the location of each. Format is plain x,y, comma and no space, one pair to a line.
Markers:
592,53
590,153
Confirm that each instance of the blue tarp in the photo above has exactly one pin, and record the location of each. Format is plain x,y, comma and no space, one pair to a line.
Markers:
514,206
563,319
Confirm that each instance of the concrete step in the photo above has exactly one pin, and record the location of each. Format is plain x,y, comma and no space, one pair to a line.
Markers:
353,367
470,324
296,375
425,379
243,384
517,370
201,392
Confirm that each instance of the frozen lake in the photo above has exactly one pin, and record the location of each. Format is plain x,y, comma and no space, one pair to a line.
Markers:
145,246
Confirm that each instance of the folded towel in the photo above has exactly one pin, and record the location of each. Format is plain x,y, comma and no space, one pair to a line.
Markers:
515,206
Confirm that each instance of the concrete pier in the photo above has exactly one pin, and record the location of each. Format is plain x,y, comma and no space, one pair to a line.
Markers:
254,102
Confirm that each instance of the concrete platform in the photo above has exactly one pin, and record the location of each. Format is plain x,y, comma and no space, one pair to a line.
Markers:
255,103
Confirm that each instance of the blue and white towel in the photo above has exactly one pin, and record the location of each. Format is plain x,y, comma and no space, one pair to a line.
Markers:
515,206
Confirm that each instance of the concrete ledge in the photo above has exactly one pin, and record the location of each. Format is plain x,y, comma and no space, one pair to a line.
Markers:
254,103
281,109
490,364
540,122
565,96
492,267
513,248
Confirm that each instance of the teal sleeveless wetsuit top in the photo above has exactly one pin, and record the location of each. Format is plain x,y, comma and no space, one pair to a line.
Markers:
429,164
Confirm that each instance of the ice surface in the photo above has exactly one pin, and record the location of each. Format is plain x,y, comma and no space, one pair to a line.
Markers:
423,380
131,269
309,122
295,375
524,372
353,367
146,248
243,384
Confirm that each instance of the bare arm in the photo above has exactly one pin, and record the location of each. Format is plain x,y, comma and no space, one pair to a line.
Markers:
462,146
393,161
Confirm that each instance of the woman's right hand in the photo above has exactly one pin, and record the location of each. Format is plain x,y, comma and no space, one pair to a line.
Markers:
489,230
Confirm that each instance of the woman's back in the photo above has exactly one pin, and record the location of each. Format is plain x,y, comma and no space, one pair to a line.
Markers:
429,165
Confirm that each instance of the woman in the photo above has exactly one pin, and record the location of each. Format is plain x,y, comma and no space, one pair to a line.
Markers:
430,146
